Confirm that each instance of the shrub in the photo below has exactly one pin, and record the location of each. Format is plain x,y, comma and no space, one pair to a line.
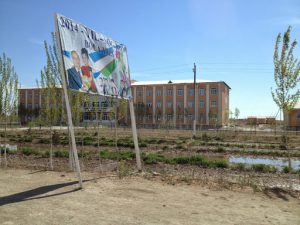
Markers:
220,163
239,166
153,158
286,169
264,168
160,141
123,155
205,137
61,153
220,149
29,151
44,141
55,137
88,140
179,146
165,147
282,147
142,145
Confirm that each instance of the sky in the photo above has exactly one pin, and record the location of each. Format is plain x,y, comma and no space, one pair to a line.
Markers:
229,40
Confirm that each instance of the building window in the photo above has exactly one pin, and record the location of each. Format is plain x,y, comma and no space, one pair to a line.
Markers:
213,91
190,104
105,116
149,92
191,92
29,106
140,105
298,116
158,117
169,92
169,104
180,116
180,92
140,93
149,104
190,117
29,95
202,91
213,104
179,104
201,117
158,92
202,104
169,116
36,106
149,117
158,104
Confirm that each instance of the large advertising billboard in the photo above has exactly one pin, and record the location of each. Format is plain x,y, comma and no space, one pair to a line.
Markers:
94,63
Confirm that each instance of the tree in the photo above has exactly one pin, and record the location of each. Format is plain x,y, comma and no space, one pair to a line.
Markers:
236,117
286,74
51,91
236,113
8,95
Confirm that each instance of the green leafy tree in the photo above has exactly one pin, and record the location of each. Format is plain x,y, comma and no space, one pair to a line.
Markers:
51,91
286,74
8,96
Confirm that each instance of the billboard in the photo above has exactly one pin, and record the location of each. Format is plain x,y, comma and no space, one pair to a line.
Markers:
94,63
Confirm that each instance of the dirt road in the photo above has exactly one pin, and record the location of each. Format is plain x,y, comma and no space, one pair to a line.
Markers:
39,197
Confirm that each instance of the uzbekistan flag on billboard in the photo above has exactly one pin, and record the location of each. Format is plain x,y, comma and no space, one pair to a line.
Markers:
94,63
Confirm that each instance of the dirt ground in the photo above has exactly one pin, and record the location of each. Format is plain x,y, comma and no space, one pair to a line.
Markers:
43,197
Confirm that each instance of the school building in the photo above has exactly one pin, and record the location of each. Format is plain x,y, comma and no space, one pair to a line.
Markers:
157,104
173,102
294,118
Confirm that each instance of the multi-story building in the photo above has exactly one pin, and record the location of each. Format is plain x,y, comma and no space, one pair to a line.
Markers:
157,103
172,102
32,100
294,117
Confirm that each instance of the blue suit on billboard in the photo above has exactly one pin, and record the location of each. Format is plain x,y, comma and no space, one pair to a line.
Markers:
74,78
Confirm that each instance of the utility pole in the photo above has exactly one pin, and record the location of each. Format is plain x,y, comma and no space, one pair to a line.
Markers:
194,121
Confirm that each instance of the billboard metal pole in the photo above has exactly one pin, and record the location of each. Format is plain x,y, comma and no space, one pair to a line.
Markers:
134,134
69,114
195,114
133,127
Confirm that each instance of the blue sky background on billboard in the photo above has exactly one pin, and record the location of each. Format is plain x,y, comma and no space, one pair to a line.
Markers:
229,40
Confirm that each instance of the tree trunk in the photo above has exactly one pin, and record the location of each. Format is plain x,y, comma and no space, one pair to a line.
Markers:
5,134
285,136
51,149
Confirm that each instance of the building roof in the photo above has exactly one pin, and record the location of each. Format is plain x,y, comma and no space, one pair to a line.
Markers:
29,88
137,83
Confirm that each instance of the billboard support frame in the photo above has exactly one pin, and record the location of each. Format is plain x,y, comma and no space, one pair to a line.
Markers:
134,134
69,113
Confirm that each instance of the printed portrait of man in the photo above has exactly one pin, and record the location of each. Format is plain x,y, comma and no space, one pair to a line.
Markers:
74,73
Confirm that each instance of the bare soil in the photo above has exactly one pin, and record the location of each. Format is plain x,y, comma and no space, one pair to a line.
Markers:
44,197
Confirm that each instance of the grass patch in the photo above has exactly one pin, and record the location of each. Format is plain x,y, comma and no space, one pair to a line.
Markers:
154,158
286,169
29,151
123,155
262,168
61,153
